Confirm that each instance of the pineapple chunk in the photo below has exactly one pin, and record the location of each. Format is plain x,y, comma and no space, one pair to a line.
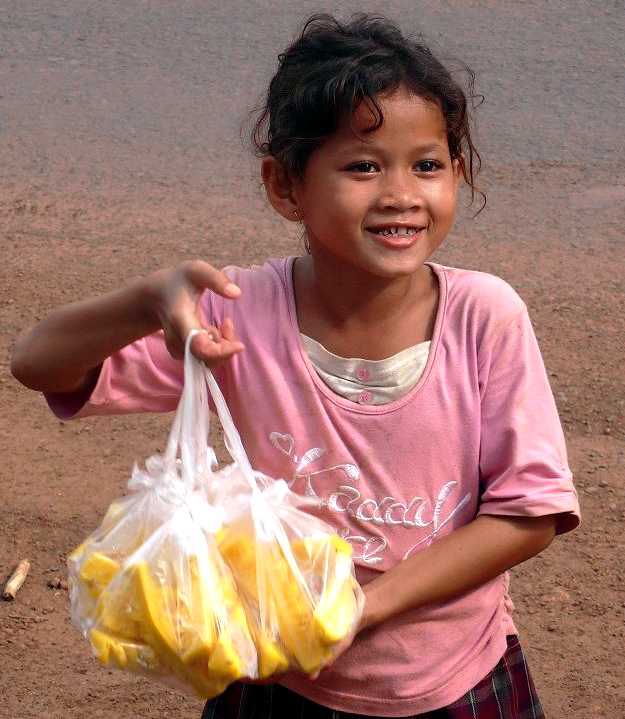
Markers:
116,613
107,649
111,650
334,616
271,659
196,619
239,551
96,572
155,614
225,663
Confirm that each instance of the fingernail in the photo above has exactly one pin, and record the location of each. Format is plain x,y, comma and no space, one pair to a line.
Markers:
232,289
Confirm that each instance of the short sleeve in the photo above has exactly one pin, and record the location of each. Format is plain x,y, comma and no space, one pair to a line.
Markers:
523,461
141,377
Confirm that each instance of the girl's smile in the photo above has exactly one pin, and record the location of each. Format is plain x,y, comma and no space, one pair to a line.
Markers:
396,237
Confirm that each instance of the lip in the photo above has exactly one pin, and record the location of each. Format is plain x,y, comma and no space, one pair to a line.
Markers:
396,242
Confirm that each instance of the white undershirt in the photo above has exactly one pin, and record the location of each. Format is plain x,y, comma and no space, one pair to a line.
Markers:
368,381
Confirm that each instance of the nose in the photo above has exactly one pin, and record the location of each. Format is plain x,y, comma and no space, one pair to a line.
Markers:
400,191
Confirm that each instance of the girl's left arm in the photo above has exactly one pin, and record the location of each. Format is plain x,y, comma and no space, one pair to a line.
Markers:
468,557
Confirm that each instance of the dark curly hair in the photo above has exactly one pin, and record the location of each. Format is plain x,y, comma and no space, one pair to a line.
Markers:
332,67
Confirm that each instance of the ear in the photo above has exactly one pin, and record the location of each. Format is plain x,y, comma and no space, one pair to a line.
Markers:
280,189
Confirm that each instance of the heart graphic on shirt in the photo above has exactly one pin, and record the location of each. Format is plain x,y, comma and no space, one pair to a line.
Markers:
284,442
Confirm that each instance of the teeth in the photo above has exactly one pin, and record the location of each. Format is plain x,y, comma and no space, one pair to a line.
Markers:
397,231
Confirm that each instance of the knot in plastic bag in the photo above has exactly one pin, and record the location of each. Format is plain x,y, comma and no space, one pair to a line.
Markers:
160,471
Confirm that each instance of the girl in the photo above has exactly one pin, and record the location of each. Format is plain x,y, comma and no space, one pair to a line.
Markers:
408,397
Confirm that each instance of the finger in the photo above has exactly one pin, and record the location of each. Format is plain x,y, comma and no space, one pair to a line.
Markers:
214,352
216,360
205,276
227,329
206,342
224,350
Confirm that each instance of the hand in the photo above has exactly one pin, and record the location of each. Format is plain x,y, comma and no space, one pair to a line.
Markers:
173,297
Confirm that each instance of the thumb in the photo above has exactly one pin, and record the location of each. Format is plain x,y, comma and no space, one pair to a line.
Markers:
204,276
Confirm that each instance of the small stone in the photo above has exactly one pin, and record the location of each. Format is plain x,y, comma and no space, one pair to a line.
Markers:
591,490
603,483
57,583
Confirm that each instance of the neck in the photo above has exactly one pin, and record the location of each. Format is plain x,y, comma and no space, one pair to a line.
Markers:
350,300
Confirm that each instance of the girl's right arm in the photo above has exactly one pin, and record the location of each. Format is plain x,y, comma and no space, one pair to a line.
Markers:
65,350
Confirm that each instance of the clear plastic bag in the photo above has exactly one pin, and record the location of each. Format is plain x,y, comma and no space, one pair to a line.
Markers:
200,577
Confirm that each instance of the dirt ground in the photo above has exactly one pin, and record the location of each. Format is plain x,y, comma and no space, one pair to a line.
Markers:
121,155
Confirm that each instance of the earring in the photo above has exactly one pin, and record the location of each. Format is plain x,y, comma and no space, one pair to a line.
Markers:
295,213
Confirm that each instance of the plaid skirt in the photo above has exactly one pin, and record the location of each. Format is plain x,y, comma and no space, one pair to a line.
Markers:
507,692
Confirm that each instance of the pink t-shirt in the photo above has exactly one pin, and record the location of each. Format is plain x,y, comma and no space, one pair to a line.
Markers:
478,434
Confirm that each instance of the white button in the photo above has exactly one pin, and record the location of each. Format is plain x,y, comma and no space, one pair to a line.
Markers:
362,373
365,397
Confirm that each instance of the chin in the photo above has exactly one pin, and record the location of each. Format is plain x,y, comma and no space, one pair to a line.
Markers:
397,267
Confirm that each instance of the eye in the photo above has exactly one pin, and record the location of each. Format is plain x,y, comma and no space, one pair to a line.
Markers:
428,166
364,166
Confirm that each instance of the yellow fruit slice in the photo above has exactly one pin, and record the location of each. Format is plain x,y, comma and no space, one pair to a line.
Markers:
304,634
225,663
107,649
336,609
115,613
96,572
308,651
196,618
155,614
308,549
271,659
295,625
158,631
334,618
114,651
239,551
340,545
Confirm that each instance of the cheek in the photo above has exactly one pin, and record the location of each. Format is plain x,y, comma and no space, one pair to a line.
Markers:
339,200
356,196
443,198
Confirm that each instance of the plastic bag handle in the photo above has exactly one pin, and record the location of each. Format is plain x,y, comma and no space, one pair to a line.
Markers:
233,442
189,432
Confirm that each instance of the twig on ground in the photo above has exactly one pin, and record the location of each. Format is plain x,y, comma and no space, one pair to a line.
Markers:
16,580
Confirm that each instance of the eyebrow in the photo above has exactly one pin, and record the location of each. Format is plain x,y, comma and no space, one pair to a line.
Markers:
355,146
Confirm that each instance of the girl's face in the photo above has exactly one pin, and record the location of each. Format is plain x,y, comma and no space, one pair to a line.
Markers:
384,202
